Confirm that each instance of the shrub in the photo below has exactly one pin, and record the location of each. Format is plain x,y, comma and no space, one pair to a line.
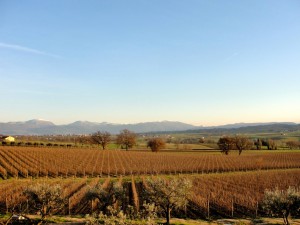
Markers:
156,144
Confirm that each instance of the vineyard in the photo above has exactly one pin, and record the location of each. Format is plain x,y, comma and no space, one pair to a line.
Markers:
222,185
227,195
62,162
240,194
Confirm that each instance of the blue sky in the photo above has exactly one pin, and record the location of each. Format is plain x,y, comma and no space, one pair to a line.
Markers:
200,62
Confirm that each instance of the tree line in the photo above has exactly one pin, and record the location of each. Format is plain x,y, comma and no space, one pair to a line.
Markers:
241,142
126,139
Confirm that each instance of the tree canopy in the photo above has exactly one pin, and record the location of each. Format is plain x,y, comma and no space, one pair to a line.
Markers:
101,138
126,138
169,194
156,144
282,203
45,198
107,196
238,142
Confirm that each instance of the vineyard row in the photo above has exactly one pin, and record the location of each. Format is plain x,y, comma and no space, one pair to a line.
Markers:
60,162
227,195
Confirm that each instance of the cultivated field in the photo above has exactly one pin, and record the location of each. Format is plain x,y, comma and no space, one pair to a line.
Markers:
62,162
223,186
236,194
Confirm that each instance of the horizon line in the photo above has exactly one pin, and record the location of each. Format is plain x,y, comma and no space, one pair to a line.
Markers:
154,121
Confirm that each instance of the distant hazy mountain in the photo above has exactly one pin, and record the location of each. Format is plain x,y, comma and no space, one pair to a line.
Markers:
43,127
239,125
28,127
249,128
40,127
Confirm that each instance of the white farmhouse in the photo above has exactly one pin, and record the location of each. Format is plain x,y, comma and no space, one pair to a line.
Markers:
6,138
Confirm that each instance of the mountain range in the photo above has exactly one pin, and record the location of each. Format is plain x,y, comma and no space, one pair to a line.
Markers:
43,127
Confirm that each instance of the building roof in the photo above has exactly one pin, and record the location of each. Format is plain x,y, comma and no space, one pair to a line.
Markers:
4,136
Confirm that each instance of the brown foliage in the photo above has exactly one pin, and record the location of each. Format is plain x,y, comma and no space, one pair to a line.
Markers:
242,143
226,144
126,139
135,195
156,144
293,144
238,142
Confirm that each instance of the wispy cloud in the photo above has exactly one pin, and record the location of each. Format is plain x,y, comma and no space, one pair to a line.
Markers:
26,49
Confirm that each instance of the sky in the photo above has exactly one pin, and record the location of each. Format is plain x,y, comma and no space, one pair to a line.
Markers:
199,62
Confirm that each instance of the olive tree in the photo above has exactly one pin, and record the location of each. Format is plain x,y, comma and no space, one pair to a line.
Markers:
169,194
282,203
101,138
45,198
126,139
107,196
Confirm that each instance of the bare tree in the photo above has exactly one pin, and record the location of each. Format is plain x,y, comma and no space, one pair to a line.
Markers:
126,138
44,198
169,194
156,144
101,138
